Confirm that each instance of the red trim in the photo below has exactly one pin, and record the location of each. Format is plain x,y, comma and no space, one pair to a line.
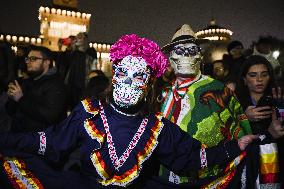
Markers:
269,178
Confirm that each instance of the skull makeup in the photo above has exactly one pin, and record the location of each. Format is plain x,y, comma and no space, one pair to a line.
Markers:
185,59
130,80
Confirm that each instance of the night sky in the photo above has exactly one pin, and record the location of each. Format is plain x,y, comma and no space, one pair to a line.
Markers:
155,19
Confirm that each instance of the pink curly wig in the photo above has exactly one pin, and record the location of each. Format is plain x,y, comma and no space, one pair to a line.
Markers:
140,47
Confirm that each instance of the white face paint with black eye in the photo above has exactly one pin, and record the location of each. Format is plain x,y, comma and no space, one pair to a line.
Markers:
185,59
130,80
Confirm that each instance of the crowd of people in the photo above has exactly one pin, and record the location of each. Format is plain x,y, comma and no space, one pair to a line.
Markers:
158,123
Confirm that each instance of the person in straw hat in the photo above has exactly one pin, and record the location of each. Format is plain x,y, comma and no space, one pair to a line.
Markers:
201,106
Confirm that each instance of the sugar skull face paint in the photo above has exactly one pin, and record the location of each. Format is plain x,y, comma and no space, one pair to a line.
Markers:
130,80
185,59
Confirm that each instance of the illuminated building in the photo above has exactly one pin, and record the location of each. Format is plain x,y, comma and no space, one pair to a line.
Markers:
218,37
104,63
214,32
58,22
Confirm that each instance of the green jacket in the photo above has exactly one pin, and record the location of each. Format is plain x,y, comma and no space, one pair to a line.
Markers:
208,111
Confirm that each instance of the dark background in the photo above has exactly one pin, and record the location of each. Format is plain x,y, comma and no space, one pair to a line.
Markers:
155,19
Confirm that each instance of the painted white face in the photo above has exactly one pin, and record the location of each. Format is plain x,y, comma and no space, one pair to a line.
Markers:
130,80
185,59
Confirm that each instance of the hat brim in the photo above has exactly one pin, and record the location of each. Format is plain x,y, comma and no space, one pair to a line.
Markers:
167,48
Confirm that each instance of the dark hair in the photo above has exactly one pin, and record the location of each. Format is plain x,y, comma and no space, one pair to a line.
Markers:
45,52
23,47
242,91
84,33
72,37
264,40
96,87
221,61
233,45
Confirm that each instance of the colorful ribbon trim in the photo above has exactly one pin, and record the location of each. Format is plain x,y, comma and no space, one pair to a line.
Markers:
19,175
179,90
269,168
118,162
89,124
93,132
131,174
269,178
87,103
230,171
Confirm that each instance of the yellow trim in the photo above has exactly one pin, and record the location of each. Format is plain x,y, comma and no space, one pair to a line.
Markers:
33,182
133,173
269,158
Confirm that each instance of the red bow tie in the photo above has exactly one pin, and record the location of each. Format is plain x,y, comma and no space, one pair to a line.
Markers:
179,90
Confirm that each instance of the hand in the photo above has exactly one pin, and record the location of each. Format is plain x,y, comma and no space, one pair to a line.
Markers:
15,91
276,129
231,86
257,113
245,140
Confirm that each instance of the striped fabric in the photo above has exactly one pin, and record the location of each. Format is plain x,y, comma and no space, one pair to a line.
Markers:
269,169
180,90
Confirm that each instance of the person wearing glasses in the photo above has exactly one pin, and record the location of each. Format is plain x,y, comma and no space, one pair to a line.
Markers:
40,100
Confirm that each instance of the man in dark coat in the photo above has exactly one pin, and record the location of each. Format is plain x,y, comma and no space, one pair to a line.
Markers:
40,100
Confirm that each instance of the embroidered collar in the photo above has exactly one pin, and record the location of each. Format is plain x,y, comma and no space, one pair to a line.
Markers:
126,178
118,162
98,132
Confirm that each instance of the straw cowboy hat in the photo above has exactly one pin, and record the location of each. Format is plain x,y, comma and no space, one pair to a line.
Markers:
184,35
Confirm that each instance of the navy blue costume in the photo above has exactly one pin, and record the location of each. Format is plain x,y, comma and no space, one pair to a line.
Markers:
119,151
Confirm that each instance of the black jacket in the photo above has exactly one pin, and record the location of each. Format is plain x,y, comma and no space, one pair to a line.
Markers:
43,104
234,66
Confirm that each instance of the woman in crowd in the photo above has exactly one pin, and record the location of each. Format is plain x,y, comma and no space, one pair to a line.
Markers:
254,91
258,95
122,139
